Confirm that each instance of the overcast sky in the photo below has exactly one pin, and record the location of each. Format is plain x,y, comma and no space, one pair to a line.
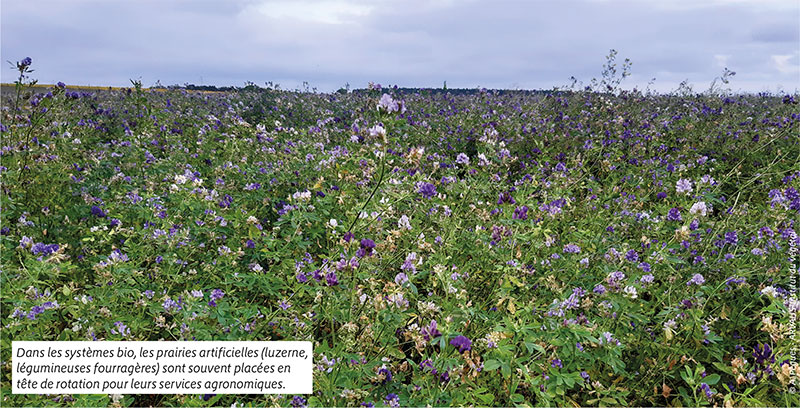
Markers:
413,43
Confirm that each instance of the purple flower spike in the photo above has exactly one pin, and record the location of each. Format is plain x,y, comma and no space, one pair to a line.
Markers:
463,343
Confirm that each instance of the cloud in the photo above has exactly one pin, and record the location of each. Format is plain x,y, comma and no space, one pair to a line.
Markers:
468,43
783,65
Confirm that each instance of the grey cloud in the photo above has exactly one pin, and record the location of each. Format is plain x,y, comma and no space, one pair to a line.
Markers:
531,44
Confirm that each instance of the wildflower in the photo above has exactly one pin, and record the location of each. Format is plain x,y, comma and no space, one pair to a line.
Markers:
683,186
216,294
98,212
572,249
401,278
298,402
392,400
763,354
430,332
615,277
462,159
331,278
385,374
599,289
520,213
505,197
630,291
674,215
608,338
462,343
24,64
697,279
121,329
707,390
699,208
632,256
170,305
647,278
404,222
25,242
377,131
367,246
427,190
556,363
389,105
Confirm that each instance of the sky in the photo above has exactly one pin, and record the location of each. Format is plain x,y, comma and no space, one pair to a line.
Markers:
500,44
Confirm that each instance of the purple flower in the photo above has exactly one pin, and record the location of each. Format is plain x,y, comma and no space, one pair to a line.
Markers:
763,354
632,256
427,190
44,249
462,159
331,279
386,373
505,197
298,401
98,212
599,289
556,363
572,249
216,294
520,213
662,195
683,186
367,246
462,343
430,332
697,279
674,215
24,64
400,278
707,390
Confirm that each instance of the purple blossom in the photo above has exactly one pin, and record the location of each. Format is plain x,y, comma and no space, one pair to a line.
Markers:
367,247
462,343
216,294
427,190
674,215
98,212
505,197
572,249
430,332
697,279
683,186
400,278
331,278
520,213
386,374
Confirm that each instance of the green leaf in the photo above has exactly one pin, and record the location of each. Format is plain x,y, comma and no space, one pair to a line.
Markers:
491,365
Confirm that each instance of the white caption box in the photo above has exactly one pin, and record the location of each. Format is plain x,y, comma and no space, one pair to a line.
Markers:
162,367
